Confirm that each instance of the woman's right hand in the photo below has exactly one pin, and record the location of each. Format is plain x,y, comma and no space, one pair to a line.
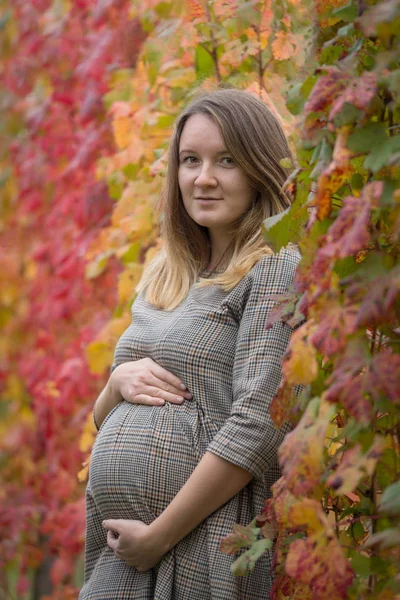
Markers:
145,382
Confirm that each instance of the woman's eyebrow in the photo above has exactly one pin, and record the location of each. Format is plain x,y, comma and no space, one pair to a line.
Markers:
224,151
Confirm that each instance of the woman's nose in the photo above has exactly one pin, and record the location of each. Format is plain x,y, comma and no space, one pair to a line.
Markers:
206,176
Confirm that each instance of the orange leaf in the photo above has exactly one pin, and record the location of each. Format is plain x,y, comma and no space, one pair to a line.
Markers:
354,466
284,45
127,282
300,364
301,454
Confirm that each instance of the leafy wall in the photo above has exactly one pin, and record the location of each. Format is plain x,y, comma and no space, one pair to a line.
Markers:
92,91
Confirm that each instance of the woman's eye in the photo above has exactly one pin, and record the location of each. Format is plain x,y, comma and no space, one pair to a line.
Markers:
227,160
191,160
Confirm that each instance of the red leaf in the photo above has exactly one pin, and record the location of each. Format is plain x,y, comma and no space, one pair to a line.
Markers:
379,303
320,563
285,310
334,323
242,537
359,93
325,91
384,376
348,234
347,384
327,88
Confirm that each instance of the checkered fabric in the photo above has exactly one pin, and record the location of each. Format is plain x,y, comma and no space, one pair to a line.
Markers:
216,342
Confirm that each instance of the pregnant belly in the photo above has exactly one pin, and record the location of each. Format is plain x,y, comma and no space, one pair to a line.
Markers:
143,455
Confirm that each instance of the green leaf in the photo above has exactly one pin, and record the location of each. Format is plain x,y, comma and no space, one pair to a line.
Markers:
286,163
374,265
205,66
300,535
379,565
348,115
366,138
347,13
386,467
163,9
279,230
361,564
116,184
389,538
296,99
5,19
389,188
345,267
330,54
357,530
346,31
247,561
131,170
390,500
381,154
132,254
357,181
165,121
298,95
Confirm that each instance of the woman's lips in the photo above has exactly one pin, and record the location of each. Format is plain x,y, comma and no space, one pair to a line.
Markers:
201,199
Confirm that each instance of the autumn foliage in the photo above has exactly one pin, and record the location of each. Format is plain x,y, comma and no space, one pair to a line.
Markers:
335,513
91,91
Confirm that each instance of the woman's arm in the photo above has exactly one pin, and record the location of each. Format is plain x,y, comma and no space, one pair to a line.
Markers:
108,399
213,482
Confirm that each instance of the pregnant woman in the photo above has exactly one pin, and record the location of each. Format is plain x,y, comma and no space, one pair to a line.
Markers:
186,446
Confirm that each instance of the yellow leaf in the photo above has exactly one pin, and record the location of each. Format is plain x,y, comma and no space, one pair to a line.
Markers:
84,472
52,389
354,466
99,356
308,513
300,365
127,282
133,197
122,131
88,434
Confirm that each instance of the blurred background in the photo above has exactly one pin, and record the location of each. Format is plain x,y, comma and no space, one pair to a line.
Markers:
89,93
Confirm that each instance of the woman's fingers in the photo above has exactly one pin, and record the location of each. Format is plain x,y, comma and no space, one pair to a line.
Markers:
146,382
153,395
167,390
148,400
168,377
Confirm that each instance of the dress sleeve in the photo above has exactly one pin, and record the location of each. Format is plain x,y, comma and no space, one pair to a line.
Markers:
248,437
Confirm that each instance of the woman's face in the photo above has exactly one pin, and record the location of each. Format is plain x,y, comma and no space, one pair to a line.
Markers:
215,190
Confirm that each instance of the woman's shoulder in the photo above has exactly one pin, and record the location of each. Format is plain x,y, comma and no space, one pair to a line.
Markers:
271,274
276,268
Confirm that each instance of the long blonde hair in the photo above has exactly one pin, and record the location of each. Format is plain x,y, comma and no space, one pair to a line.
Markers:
256,142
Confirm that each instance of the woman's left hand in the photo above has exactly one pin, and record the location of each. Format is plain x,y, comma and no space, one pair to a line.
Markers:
132,542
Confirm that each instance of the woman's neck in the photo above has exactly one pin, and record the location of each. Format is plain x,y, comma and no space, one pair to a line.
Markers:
219,246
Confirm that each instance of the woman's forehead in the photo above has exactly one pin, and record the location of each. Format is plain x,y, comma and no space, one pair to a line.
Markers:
201,132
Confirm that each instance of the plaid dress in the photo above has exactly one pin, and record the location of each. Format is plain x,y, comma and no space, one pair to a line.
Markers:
216,342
